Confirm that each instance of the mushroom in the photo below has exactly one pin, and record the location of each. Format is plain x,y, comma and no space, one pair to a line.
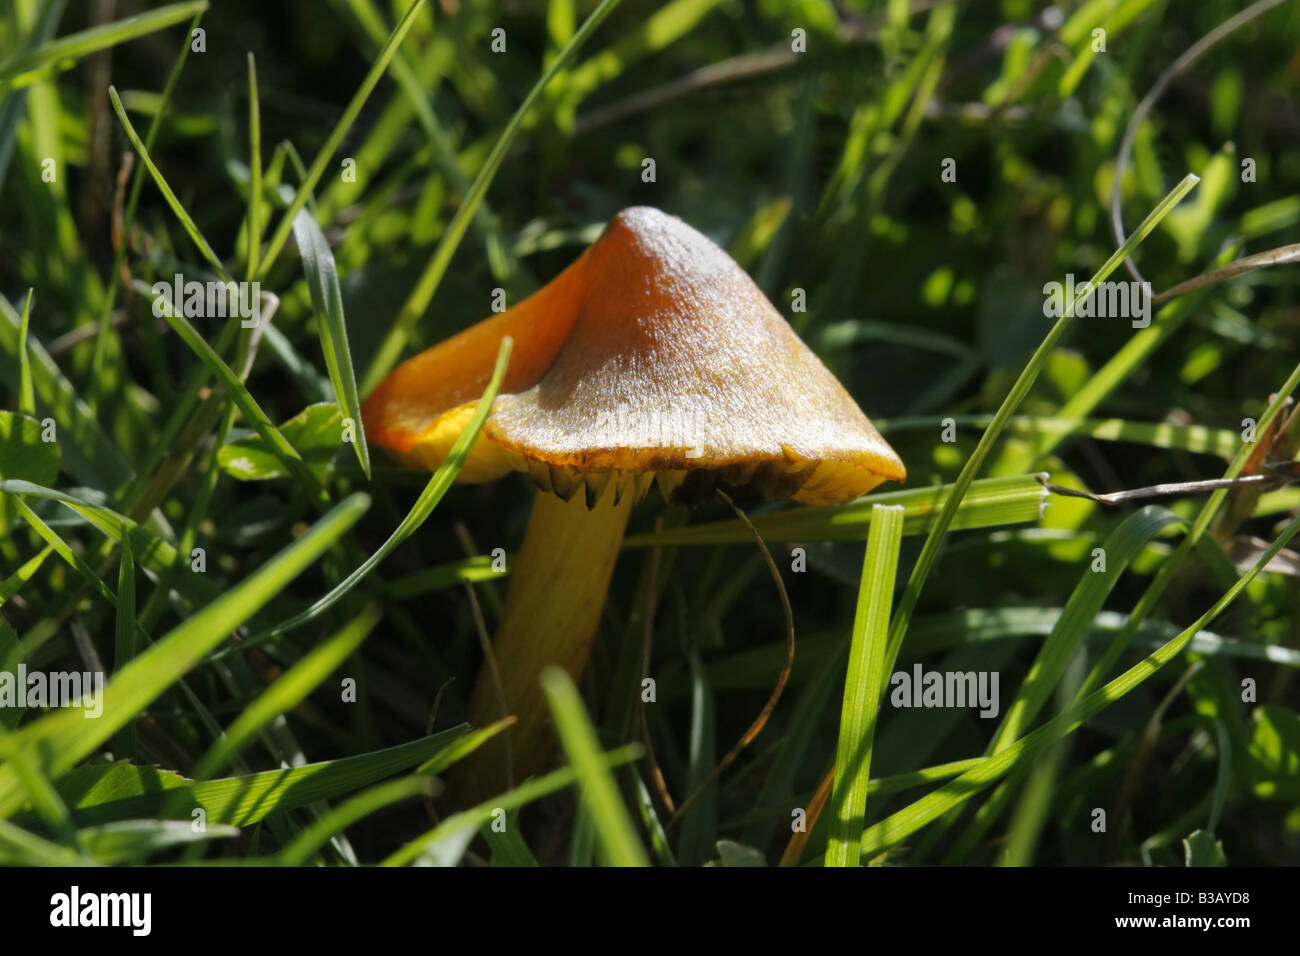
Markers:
653,358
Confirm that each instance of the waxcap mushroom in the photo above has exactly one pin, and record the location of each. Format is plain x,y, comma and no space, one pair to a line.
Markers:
652,356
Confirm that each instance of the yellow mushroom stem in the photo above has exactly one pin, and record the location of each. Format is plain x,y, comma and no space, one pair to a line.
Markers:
557,591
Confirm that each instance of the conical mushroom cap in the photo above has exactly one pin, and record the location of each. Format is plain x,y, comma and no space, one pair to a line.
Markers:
653,356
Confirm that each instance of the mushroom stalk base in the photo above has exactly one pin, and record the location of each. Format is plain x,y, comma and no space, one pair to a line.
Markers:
557,591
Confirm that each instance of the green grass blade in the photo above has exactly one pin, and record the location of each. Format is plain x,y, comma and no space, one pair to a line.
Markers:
1124,544
508,846
447,841
61,547
245,800
327,301
90,455
63,54
126,743
863,686
20,848
131,841
182,216
254,224
462,747
1167,571
1045,432
150,551
14,583
989,502
357,808
26,393
618,836
239,394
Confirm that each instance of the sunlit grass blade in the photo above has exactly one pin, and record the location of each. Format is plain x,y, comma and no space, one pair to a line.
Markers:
423,507
20,848
1099,578
131,841
26,393
253,237
348,813
149,333
14,583
618,836
124,643
446,843
45,800
61,739
463,746
245,800
989,502
393,343
65,52
182,216
1277,404
663,851
327,301
290,689
863,685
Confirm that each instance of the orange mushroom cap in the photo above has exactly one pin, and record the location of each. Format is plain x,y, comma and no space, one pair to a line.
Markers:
652,356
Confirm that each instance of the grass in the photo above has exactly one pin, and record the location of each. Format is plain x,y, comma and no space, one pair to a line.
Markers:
902,190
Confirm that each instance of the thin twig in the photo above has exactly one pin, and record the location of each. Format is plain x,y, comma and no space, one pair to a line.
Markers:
1282,475
761,720
1282,255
